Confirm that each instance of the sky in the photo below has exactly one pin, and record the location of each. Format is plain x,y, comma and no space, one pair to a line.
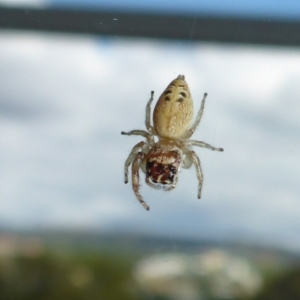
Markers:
279,9
65,99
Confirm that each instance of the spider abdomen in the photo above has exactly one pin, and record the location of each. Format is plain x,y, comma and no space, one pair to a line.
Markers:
173,112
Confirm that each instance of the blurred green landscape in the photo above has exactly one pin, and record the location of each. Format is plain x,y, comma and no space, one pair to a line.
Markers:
71,265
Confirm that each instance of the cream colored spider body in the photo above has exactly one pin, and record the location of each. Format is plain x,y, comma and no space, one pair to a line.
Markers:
161,160
174,110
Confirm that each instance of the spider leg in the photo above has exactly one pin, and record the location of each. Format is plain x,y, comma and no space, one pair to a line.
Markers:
196,161
143,133
203,145
155,186
136,177
190,132
187,161
131,156
148,114
160,186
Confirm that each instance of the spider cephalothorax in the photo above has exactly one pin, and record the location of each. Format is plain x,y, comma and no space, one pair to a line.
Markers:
161,161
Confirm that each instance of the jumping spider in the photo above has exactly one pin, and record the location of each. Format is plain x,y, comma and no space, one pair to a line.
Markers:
161,161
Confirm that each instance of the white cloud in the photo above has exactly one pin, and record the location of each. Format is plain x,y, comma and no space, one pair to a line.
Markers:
64,101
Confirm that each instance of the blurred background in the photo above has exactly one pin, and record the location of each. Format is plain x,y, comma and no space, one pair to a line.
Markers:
73,75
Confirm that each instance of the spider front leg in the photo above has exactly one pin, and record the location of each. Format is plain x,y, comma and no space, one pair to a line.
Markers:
192,158
158,187
148,114
131,156
140,156
190,132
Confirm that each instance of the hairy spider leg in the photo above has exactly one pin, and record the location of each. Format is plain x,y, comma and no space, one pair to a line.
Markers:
192,156
192,129
203,145
140,156
147,135
131,156
148,114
